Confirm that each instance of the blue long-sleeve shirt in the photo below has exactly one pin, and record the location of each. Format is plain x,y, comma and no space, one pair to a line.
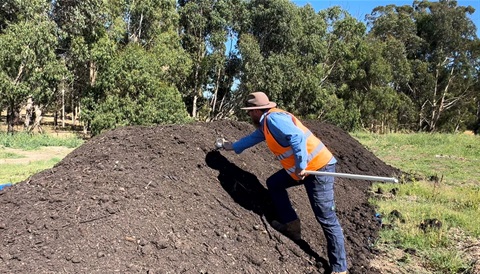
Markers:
285,132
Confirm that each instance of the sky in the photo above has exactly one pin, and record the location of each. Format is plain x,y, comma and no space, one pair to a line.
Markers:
359,8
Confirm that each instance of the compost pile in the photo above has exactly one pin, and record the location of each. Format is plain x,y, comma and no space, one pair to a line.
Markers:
163,200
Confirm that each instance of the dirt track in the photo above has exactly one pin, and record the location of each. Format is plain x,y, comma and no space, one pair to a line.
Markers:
28,156
161,200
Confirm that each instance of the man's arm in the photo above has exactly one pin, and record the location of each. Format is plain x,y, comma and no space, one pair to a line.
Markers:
246,142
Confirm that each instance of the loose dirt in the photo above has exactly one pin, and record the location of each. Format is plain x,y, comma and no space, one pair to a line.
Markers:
162,200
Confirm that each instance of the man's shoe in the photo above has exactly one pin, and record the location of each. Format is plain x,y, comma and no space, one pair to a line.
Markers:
344,272
291,229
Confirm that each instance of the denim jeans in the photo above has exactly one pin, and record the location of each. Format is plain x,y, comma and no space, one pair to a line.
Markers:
321,196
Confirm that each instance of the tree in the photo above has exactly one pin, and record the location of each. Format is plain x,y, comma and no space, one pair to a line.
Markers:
28,63
205,27
302,59
439,40
89,33
134,93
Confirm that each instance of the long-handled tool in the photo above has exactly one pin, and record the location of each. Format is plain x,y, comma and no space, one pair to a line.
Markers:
354,176
220,141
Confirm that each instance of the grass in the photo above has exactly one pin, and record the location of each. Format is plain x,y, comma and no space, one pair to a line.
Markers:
28,141
452,199
15,173
18,172
430,155
9,155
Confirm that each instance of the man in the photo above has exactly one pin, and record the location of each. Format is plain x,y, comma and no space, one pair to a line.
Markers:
298,150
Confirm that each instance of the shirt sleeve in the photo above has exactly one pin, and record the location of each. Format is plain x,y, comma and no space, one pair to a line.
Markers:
286,133
248,141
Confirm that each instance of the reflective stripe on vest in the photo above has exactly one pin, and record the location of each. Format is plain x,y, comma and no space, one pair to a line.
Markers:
318,154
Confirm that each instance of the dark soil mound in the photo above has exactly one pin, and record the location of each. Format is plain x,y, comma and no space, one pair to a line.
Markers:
161,200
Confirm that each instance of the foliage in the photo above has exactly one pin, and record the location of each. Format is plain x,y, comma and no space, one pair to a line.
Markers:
29,65
440,57
134,93
90,33
295,63
206,25
416,67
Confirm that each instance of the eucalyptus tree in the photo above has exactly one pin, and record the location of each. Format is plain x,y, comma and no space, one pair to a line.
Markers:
439,40
29,66
276,56
347,52
364,73
88,32
252,66
205,28
147,19
135,92
138,83
8,13
451,38
153,24
382,107
306,61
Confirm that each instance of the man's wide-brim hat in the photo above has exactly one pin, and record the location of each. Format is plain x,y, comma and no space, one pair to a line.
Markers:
259,100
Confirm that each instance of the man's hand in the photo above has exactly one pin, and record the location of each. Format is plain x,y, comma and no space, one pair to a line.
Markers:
227,145
300,173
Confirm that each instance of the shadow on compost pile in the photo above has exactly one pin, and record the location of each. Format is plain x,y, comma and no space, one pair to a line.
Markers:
161,200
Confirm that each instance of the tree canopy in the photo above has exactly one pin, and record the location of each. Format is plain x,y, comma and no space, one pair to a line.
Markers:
130,62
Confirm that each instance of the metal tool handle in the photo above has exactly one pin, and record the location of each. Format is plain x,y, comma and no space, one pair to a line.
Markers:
354,176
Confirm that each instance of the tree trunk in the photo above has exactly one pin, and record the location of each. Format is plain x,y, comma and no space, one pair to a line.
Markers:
28,112
195,86
197,79
63,105
73,104
194,106
477,126
215,94
55,120
38,120
93,73
13,113
439,104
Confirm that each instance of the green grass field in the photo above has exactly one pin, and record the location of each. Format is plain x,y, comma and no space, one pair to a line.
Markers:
13,173
28,141
438,216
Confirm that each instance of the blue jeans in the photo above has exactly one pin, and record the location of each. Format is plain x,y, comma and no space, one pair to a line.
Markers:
321,195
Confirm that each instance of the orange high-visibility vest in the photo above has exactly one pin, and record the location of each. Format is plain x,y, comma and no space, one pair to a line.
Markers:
318,153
